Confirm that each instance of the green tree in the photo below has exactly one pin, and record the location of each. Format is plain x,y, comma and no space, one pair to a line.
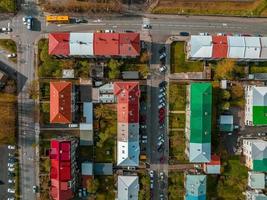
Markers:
237,91
114,68
225,94
33,89
92,185
224,69
225,105
45,107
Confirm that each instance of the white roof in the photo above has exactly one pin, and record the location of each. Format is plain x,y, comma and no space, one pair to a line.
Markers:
253,47
226,119
199,152
81,44
128,153
259,96
200,46
263,47
128,187
236,47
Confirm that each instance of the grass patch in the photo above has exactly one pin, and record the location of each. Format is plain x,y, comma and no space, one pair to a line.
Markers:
8,45
178,60
233,181
258,68
177,96
8,110
106,188
177,146
252,8
176,186
176,120
144,192
7,5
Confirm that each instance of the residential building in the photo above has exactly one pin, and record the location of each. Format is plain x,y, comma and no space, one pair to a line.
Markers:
255,152
87,168
234,47
226,123
63,170
199,130
61,102
86,127
214,166
103,169
255,195
104,93
130,75
256,105
128,187
195,186
256,180
94,44
128,150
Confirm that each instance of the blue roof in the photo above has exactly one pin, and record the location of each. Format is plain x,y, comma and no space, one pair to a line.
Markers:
103,169
88,112
196,187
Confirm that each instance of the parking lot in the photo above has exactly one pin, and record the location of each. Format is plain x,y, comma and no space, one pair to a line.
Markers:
7,181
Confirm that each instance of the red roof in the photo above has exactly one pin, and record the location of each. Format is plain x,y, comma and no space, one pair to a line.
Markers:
128,101
59,43
106,44
129,44
215,160
60,102
220,46
60,170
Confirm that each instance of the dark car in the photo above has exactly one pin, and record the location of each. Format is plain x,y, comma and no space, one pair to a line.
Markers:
163,49
163,84
184,34
160,148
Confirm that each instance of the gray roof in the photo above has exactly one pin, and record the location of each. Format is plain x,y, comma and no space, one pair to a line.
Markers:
103,169
128,187
87,168
196,185
263,47
200,46
213,169
259,150
130,75
260,76
256,180
81,43
226,119
200,152
253,47
260,96
236,47
106,88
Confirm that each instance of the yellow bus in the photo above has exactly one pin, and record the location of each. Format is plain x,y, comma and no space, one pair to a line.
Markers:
57,19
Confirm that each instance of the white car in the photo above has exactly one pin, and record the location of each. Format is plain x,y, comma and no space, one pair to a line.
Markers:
10,164
109,31
161,175
162,89
160,106
151,173
147,26
144,141
162,68
12,55
11,181
10,198
11,147
11,169
144,136
24,19
73,125
163,55
162,100
9,190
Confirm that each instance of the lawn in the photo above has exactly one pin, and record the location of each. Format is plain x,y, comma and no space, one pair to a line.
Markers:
233,181
176,186
178,60
177,146
106,188
176,121
10,46
177,96
201,7
259,68
8,111
7,6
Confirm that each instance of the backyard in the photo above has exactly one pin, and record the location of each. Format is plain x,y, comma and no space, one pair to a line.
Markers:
7,6
214,7
176,186
9,46
144,192
177,147
176,120
177,96
178,60
260,67
105,189
231,182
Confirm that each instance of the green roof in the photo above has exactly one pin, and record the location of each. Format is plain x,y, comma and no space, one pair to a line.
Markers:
259,115
260,165
200,118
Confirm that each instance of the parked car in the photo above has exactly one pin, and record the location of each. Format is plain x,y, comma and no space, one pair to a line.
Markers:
12,55
262,134
10,164
6,29
163,84
204,34
160,106
144,141
163,49
184,34
143,126
162,126
73,125
9,190
34,189
144,136
10,198
109,31
147,26
151,174
11,181
11,147
161,175
162,89
160,148
163,55
11,169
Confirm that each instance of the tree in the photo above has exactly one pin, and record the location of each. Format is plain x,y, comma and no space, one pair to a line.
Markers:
237,91
45,107
225,105
225,94
33,89
92,185
114,68
225,69
145,56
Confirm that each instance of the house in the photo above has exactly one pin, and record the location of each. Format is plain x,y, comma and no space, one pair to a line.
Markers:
86,127
214,166
128,187
128,149
199,130
256,105
130,75
61,102
256,180
226,123
87,168
94,44
63,174
255,152
103,169
234,47
104,93
255,195
195,186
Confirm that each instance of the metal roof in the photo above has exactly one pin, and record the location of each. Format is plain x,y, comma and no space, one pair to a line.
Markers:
81,44
256,180
259,155
226,123
103,169
263,47
87,168
200,46
130,75
88,112
199,152
236,47
253,47
128,187
220,46
196,186
259,108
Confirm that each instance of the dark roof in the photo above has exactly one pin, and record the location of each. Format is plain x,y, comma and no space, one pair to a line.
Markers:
103,169
130,75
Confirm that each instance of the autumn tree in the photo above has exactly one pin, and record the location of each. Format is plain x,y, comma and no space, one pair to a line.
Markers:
237,91
225,94
225,69
33,89
114,68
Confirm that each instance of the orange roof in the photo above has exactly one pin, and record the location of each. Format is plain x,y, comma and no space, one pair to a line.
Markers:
60,102
215,160
129,44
